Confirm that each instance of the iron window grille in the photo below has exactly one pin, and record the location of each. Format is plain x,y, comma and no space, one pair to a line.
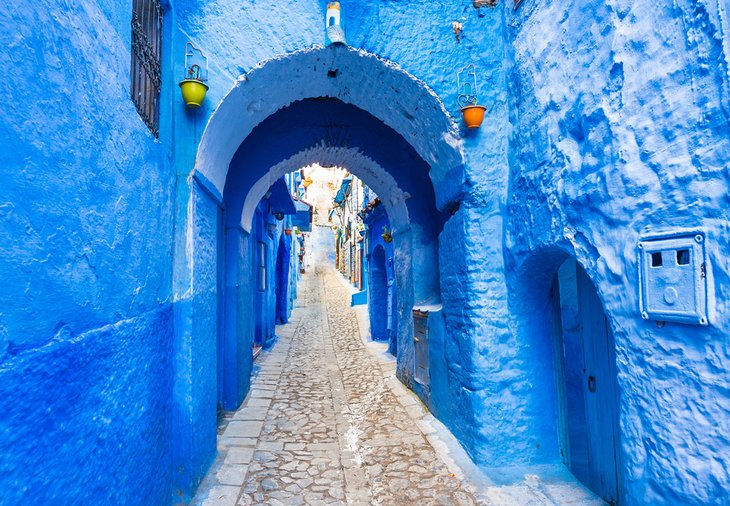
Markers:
146,72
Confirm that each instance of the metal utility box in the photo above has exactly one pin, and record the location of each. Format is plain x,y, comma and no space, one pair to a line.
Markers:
673,278
420,338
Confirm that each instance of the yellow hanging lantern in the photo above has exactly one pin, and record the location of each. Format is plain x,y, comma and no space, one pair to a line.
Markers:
193,87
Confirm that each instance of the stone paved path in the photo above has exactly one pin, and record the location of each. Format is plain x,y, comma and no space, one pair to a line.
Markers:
322,424
326,422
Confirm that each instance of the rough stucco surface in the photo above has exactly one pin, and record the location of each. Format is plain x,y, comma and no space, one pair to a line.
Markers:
85,247
622,129
605,121
84,183
197,395
87,419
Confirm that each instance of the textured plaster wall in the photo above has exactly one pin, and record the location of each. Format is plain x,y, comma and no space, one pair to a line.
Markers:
87,419
616,125
85,184
621,128
197,355
86,230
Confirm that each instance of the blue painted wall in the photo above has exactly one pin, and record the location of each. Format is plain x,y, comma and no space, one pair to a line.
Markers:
380,260
100,398
622,128
605,121
86,227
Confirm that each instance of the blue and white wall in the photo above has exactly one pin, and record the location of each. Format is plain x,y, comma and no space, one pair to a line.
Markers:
605,121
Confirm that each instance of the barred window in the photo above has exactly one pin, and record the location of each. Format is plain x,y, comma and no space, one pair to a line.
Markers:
146,61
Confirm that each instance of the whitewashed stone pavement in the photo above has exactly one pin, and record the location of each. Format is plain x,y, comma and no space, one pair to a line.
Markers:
326,422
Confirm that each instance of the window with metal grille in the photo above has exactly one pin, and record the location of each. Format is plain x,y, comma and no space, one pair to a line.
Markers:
146,61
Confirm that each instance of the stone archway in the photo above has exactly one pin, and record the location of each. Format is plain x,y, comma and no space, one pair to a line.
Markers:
355,77
401,141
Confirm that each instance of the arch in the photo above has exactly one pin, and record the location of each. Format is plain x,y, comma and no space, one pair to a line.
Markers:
339,106
353,76
376,177
557,304
337,133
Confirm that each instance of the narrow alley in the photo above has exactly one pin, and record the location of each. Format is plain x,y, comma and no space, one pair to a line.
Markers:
326,422
365,253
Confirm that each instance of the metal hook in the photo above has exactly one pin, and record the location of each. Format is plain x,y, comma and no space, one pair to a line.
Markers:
467,93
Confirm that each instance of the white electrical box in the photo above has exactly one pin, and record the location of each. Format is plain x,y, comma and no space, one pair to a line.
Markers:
673,279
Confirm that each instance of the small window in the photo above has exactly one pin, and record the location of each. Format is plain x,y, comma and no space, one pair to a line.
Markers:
656,259
262,266
146,71
683,257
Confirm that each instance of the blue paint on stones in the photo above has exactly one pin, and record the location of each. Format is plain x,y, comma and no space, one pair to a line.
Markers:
86,228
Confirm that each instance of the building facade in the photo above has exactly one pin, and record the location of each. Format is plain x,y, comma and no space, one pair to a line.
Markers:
587,217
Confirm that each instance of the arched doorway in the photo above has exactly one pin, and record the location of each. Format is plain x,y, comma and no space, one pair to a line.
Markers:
334,106
585,366
282,279
378,301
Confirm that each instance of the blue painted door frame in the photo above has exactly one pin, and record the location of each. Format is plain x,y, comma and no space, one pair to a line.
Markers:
586,383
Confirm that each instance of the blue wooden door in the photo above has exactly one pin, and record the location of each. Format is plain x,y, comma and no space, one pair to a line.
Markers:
587,388
600,392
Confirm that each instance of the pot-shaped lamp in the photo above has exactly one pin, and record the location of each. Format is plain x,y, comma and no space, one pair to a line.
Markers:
472,113
193,85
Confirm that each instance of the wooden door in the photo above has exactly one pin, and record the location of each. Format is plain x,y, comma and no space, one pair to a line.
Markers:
600,392
587,390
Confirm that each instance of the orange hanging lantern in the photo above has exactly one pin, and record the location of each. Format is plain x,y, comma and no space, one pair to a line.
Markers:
467,88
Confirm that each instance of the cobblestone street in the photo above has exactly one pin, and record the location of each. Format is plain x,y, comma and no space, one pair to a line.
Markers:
326,422
323,426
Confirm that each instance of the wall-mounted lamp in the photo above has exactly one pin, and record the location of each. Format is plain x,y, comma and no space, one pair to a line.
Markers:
335,30
473,114
196,73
